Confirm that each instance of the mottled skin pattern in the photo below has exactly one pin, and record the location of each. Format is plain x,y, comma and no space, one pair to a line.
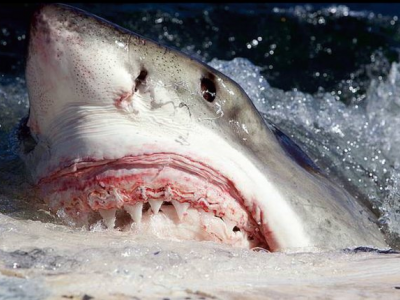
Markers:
99,93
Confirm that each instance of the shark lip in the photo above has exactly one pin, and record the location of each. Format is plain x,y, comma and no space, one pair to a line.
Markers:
131,190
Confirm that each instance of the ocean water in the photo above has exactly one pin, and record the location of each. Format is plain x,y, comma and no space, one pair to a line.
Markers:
327,75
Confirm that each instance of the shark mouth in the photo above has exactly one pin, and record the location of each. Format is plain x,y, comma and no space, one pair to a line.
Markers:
167,194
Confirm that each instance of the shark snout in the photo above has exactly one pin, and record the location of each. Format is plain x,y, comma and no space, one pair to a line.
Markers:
46,37
39,23
40,34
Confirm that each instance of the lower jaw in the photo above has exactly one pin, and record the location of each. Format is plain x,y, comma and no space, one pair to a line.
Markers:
166,202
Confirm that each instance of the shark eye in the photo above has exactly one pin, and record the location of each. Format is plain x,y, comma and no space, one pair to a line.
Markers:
208,89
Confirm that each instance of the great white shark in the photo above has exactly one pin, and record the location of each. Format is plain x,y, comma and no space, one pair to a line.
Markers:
132,134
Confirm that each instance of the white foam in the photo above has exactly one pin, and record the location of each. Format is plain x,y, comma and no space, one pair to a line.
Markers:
38,259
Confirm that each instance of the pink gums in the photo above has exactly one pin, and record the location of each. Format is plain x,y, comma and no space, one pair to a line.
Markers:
89,186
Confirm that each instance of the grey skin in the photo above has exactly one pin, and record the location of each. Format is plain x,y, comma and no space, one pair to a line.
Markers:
330,216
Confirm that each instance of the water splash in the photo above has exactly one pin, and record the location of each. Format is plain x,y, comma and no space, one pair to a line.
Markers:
357,144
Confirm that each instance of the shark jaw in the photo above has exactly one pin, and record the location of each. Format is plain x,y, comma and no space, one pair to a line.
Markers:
215,191
155,192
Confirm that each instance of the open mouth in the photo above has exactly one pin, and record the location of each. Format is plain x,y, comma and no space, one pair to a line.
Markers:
168,194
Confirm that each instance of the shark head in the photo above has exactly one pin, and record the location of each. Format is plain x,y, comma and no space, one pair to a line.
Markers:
130,133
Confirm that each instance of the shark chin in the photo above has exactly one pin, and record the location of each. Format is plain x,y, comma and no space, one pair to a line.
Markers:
130,134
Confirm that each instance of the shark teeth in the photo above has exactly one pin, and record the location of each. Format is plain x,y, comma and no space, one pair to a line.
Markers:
108,216
155,205
220,227
180,208
214,225
135,211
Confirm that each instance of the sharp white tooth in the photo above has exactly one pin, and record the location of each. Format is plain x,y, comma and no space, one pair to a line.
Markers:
180,208
108,216
135,211
155,205
217,227
213,225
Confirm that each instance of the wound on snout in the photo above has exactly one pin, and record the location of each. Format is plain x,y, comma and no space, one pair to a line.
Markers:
208,89
125,98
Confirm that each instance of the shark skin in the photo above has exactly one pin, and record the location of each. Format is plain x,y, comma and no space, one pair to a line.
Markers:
135,135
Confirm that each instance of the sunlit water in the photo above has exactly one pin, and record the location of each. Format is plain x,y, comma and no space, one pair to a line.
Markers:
348,126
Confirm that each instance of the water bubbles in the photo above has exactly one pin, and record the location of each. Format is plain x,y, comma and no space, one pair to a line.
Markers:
321,20
353,89
170,37
332,10
253,44
177,21
5,31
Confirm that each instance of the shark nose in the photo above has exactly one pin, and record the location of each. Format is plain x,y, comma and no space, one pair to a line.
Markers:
39,22
40,34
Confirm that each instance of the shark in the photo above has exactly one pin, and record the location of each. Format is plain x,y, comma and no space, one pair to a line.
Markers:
133,135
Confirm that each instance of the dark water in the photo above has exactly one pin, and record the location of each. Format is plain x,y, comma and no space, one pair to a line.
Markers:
323,46
316,54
